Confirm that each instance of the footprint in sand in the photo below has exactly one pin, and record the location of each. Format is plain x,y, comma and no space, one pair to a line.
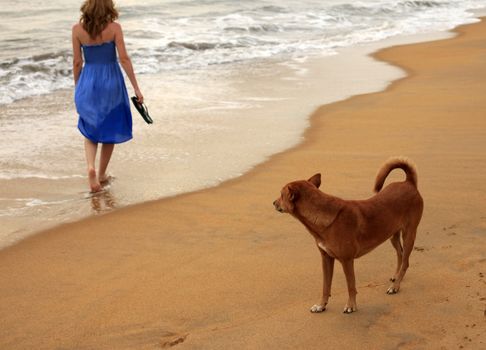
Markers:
448,229
419,249
172,339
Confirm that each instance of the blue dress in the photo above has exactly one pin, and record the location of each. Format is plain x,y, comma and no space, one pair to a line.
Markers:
101,96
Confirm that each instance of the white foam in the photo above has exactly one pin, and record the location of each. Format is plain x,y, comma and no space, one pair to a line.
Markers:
38,202
13,176
24,206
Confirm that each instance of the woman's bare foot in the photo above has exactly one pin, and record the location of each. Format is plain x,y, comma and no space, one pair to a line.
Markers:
93,181
105,179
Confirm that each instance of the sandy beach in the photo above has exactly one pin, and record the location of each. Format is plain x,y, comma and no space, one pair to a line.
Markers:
221,269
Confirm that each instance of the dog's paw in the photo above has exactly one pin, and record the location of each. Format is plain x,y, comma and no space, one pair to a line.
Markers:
392,290
349,310
318,308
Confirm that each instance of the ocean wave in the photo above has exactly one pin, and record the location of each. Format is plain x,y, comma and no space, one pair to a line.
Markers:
197,46
423,3
273,8
38,74
232,33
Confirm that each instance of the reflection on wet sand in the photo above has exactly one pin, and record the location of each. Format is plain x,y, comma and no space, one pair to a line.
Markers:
102,201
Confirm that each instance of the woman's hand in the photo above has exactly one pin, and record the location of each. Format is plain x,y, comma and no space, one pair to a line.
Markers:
139,95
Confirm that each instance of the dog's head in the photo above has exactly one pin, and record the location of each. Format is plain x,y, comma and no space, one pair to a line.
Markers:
290,194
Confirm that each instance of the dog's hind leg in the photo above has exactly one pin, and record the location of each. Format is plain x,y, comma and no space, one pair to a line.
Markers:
395,241
327,272
408,242
348,267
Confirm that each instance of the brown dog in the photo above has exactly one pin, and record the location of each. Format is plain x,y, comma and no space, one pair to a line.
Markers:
348,229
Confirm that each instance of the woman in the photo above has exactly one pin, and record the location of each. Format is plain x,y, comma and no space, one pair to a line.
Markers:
100,94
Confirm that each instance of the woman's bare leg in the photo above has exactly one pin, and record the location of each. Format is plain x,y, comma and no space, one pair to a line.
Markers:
90,149
105,156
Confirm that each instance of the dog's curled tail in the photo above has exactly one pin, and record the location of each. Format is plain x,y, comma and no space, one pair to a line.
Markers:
396,163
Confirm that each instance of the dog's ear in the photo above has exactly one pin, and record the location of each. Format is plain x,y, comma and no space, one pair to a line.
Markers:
315,180
292,193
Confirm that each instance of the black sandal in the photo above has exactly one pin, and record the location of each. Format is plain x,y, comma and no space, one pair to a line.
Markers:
142,109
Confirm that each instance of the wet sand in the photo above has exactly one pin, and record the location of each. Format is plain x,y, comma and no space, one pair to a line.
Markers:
220,269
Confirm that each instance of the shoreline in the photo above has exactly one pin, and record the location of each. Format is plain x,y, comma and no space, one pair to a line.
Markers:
159,272
322,80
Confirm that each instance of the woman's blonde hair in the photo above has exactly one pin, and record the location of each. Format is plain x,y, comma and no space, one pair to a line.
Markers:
96,15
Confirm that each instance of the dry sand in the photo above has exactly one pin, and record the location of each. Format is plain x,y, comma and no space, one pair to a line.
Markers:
220,269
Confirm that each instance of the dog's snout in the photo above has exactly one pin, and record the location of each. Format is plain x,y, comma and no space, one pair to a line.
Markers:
277,206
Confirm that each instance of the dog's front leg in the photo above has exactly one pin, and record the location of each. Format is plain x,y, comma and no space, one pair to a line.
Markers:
348,267
327,272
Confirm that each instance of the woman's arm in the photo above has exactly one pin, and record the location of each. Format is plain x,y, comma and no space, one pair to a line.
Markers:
77,56
125,60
